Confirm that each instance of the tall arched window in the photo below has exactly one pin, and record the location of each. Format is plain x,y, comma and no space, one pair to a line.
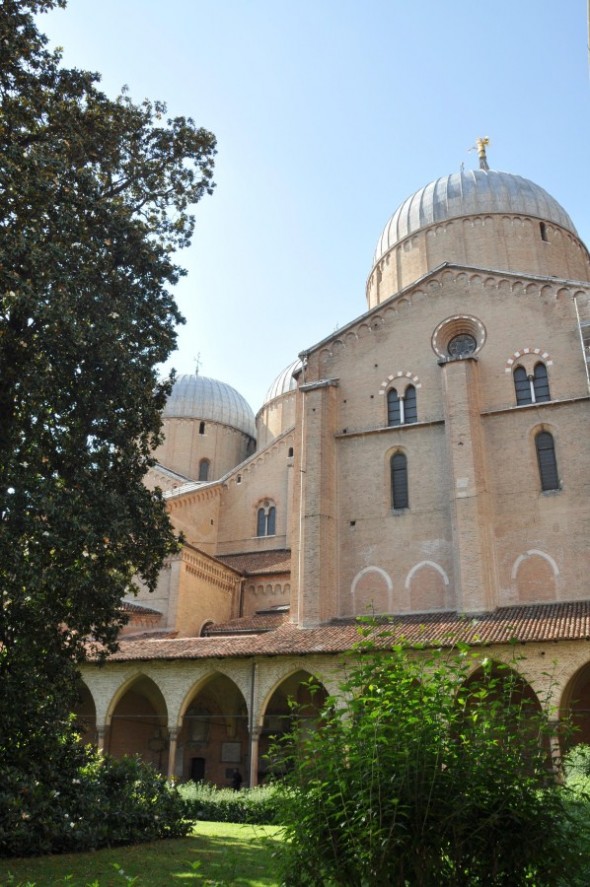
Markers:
547,462
399,481
204,469
266,519
402,410
531,389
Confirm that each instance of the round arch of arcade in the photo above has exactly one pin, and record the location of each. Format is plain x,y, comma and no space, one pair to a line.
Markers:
197,723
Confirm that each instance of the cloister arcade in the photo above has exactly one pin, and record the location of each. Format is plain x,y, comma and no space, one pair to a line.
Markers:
198,723
201,720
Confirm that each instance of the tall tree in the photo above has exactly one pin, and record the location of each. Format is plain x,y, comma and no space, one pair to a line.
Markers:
94,199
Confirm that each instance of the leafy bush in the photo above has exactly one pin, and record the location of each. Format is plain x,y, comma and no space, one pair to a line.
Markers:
576,828
576,765
426,778
255,806
92,801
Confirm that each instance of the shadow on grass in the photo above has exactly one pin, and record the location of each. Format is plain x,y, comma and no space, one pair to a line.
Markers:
221,854
243,861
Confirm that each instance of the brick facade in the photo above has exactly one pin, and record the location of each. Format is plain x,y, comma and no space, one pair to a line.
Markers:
287,545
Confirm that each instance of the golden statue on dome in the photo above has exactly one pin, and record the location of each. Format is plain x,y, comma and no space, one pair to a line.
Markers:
481,145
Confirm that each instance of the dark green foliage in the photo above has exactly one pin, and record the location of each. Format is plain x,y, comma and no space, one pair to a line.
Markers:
92,801
255,806
426,779
94,198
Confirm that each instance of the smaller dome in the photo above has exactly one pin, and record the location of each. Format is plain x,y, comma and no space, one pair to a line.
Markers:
197,397
284,382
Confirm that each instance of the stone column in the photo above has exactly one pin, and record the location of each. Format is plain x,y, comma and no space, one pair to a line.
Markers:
101,734
254,742
172,745
555,750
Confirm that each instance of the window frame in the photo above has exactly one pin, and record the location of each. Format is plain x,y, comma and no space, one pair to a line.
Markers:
531,388
410,405
401,409
547,461
393,408
541,383
398,471
266,520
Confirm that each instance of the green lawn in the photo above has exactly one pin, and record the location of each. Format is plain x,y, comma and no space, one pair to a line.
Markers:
216,853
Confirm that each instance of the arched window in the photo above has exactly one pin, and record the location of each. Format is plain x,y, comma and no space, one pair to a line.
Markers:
399,481
547,462
402,410
204,469
531,389
541,383
393,407
522,387
266,518
271,521
201,428
410,405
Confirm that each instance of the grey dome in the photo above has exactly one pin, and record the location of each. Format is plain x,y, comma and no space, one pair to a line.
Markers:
470,193
197,397
284,382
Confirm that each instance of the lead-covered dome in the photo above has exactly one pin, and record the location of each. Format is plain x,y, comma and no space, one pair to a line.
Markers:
479,218
198,397
284,382
474,192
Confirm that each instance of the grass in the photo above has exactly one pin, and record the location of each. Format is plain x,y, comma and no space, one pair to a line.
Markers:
216,853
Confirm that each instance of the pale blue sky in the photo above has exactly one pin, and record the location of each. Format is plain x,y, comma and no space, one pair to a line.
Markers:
329,113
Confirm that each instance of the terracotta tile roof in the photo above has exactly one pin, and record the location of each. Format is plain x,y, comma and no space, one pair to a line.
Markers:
258,623
258,562
150,633
543,622
132,607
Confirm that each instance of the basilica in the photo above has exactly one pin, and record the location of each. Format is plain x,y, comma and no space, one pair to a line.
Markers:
427,463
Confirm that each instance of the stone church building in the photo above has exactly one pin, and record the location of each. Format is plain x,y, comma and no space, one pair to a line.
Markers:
429,462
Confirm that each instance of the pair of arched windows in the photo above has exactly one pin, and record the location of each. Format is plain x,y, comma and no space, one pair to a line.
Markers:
402,410
531,388
266,519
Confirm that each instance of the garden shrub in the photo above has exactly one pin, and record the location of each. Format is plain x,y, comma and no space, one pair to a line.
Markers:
425,778
254,806
92,801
